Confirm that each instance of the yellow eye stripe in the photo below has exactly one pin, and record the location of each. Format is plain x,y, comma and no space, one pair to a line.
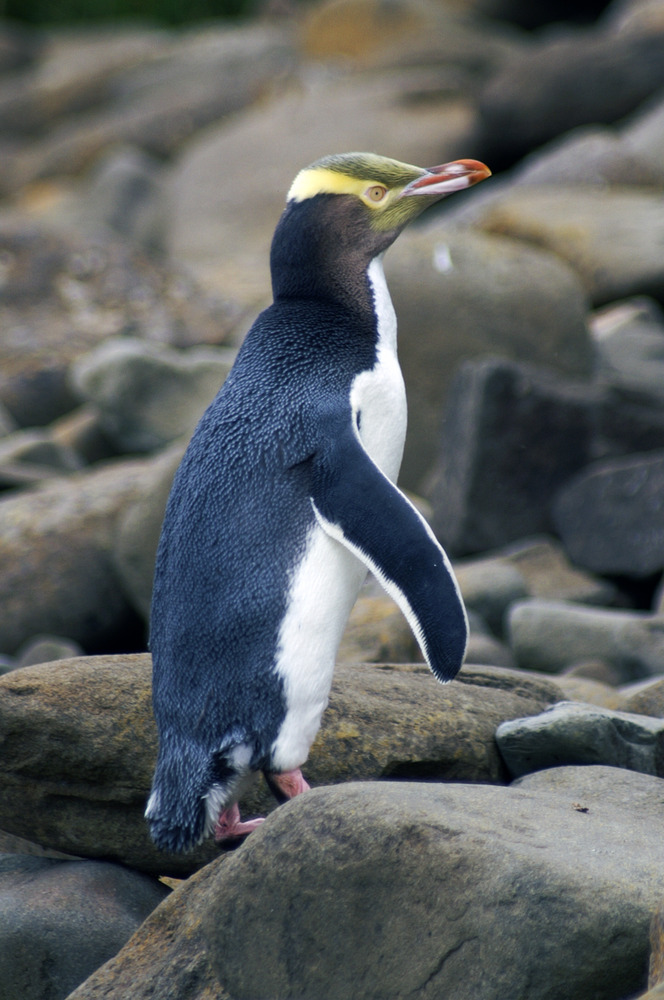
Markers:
320,180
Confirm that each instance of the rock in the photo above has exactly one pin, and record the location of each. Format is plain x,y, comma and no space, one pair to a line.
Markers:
497,409
63,919
160,104
403,889
487,651
551,635
625,534
56,544
646,697
167,956
377,632
464,48
609,74
590,155
27,456
609,237
549,574
578,687
138,530
629,342
150,395
574,733
656,968
46,649
60,297
489,586
222,231
382,722
81,430
463,295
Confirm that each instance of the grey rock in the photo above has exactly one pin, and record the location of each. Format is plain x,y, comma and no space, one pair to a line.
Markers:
81,430
645,697
157,107
573,78
61,296
387,891
574,733
552,635
463,295
377,632
489,586
56,543
483,497
167,956
138,530
60,920
610,237
485,650
149,395
625,533
46,649
549,574
383,721
123,198
629,346
27,456
579,687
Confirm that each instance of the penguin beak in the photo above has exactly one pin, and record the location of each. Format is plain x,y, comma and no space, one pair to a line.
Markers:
449,177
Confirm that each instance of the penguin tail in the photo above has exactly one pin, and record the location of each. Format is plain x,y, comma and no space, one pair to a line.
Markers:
191,786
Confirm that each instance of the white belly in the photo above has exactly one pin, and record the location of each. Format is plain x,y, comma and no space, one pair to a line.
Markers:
329,577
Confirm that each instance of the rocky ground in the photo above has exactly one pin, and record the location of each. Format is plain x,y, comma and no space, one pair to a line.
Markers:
495,839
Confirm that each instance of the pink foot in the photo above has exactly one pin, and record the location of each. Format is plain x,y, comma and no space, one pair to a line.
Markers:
229,826
286,785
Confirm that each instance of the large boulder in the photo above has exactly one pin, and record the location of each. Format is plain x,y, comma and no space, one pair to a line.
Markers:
61,920
387,891
167,956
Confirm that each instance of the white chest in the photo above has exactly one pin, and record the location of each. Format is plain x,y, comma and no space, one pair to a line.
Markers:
378,396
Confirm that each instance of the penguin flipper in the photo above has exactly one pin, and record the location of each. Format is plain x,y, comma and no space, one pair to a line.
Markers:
356,504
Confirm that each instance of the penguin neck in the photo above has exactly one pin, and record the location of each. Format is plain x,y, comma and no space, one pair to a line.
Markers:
386,318
323,251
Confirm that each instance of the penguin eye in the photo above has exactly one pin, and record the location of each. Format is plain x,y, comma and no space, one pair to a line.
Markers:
376,192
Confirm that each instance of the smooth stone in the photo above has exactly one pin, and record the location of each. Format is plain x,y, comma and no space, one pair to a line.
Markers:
489,586
629,347
394,890
461,295
61,920
56,545
377,632
656,965
550,636
609,72
548,573
139,528
611,238
625,534
38,448
167,956
148,394
81,430
383,722
482,497
572,733
46,649
578,687
484,650
158,106
645,697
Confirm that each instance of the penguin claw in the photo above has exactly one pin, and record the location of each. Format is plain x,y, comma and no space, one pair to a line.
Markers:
229,826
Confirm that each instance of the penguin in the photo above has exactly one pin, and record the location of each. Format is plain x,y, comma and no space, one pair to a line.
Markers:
284,499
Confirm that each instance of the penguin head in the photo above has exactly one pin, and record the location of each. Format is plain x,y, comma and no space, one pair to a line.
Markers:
346,209
391,194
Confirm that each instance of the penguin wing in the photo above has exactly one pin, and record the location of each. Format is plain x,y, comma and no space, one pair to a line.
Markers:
356,504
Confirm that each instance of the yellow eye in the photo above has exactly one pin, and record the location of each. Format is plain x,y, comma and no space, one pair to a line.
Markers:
376,192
